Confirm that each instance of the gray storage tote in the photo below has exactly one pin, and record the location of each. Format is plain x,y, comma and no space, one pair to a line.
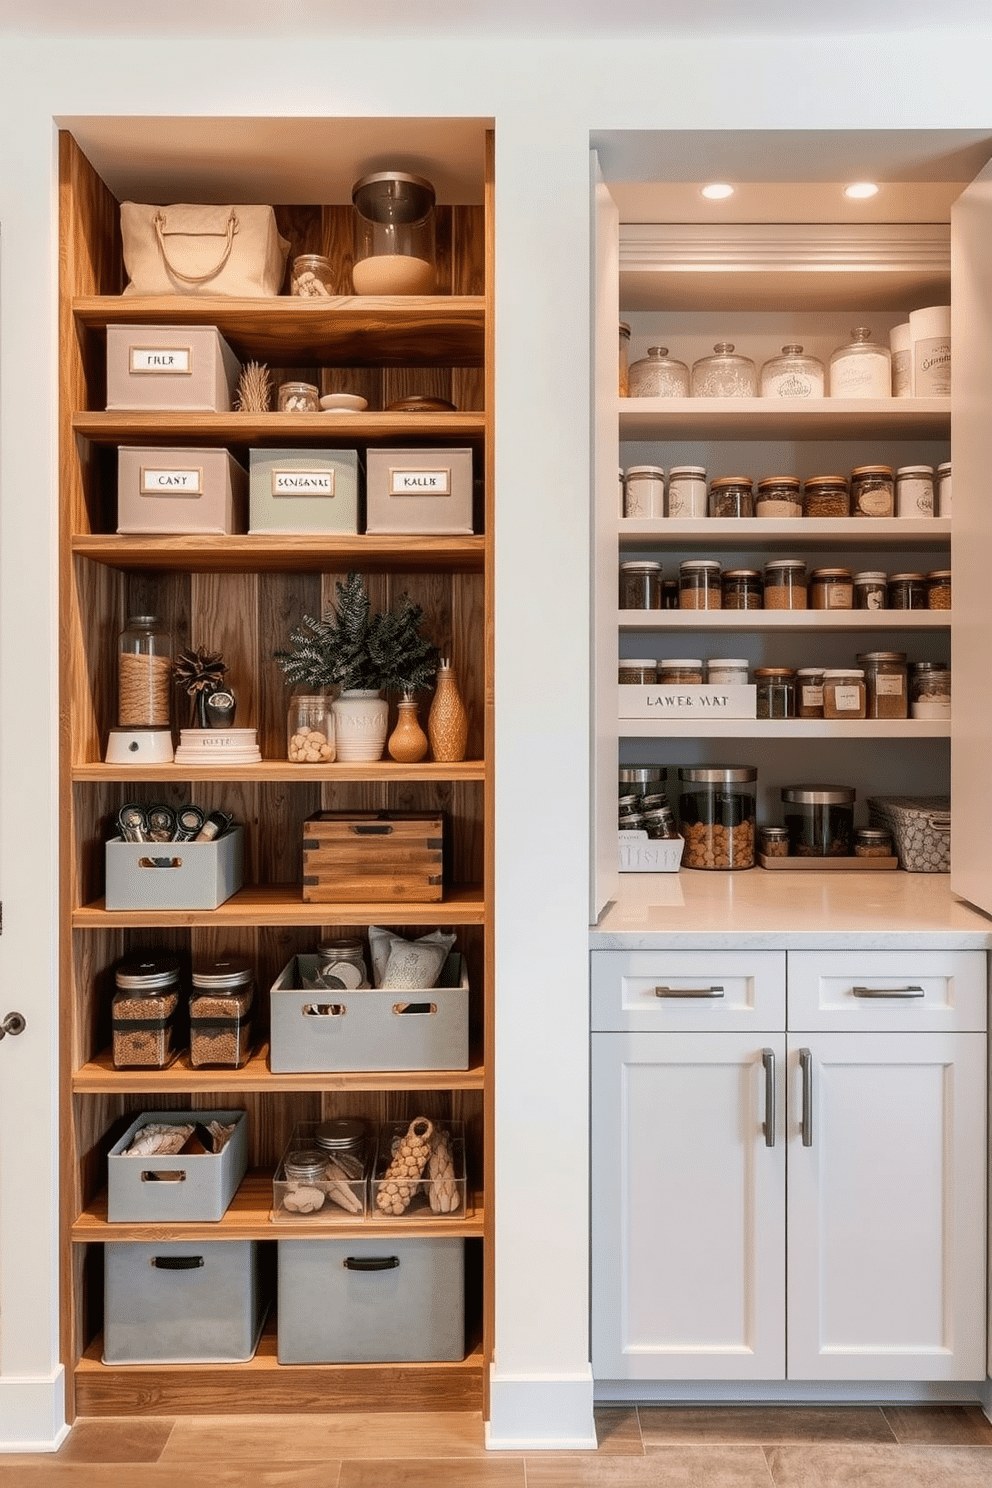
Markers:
181,1302
174,875
164,1187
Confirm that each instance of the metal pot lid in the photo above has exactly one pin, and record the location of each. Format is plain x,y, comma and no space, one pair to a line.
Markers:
819,795
341,1132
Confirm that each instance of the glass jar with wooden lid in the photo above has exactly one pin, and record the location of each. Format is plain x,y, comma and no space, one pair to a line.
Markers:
731,496
873,491
939,589
907,591
826,496
778,496
831,589
775,692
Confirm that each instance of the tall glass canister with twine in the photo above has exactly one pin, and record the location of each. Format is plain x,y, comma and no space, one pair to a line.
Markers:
144,674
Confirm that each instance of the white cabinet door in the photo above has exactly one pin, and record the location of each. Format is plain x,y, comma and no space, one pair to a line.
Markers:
688,1205
886,1210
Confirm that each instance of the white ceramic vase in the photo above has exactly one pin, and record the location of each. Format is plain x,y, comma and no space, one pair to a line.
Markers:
360,724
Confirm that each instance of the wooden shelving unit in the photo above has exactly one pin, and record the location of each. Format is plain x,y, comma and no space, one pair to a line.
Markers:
241,594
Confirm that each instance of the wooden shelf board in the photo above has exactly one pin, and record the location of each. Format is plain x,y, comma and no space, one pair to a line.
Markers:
279,429
345,330
100,1076
263,1385
248,1219
282,904
649,533
685,419
789,620
917,729
385,771
311,553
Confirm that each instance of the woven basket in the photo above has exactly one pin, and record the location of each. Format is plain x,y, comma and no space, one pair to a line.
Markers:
920,827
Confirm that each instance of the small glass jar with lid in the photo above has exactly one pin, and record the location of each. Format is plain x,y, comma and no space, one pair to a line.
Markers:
310,736
394,235
831,589
145,1012
349,1135
312,277
637,672
340,951
624,368
658,375
870,589
220,1011
873,491
907,591
644,491
914,491
809,692
793,375
778,496
641,780
731,496
775,692
724,374
717,815
743,589
298,397
862,368
640,585
886,694
930,690
826,496
843,693
785,584
660,824
773,842
872,842
144,674
687,494
727,671
939,589
699,584
680,671
819,820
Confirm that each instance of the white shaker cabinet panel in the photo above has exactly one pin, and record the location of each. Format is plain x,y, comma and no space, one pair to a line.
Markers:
689,991
886,1211
916,991
688,1205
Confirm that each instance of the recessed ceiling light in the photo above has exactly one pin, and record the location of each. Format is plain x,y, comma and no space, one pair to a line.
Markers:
860,190
718,191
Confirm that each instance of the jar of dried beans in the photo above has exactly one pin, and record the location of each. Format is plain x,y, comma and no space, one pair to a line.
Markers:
717,815
885,684
699,584
220,1008
785,584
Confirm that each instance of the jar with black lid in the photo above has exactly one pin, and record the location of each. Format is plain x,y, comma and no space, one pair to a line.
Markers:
873,491
785,584
220,1014
779,496
717,815
660,824
775,694
826,496
699,584
886,694
743,589
819,820
640,585
731,496
907,591
145,1012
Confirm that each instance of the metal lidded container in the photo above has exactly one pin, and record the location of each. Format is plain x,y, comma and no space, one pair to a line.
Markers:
145,1011
220,1013
394,235
717,815
819,819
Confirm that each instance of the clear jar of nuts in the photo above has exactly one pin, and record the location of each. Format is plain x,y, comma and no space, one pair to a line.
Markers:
872,842
312,277
773,842
220,1007
310,730
145,1011
717,815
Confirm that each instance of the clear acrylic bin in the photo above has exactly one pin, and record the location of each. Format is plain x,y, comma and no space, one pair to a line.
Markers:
318,1186
439,1192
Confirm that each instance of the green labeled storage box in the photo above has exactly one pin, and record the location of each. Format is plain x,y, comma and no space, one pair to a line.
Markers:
303,490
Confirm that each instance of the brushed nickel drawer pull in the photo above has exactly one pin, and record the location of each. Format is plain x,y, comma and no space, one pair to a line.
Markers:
688,991
768,1060
806,1065
888,991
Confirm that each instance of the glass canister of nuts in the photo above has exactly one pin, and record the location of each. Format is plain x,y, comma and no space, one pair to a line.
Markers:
939,589
826,496
819,820
778,496
742,589
873,491
785,584
731,496
775,692
145,1012
640,585
886,693
699,584
831,589
717,815
870,587
220,1014
773,842
907,591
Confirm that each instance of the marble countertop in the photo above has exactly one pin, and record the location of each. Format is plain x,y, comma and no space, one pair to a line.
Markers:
758,909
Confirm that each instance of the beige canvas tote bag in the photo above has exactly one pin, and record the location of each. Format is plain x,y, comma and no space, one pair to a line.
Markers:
188,249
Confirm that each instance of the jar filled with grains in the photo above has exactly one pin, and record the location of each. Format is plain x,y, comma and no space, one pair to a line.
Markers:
809,692
640,585
624,360
637,672
743,589
843,693
872,842
831,589
773,842
886,693
870,590
775,692
907,591
731,496
727,671
785,584
687,495
873,491
779,496
699,584
680,672
826,496
220,1007
717,815
819,820
939,589
930,690
145,1012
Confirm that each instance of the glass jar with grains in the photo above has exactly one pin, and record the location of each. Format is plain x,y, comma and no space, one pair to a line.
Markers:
680,672
220,1008
778,496
731,496
637,672
785,584
843,693
775,692
885,683
939,589
145,1012
873,491
640,585
699,584
832,589
743,589
907,591
717,815
826,496
724,374
809,692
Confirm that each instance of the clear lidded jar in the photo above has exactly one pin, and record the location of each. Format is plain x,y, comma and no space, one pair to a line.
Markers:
872,842
831,589
310,738
644,491
886,693
819,820
145,1011
394,235
298,397
939,589
785,584
724,375
826,496
779,496
743,589
343,949
660,824
792,375
624,354
727,671
843,693
687,495
873,491
773,842
914,491
907,591
775,695
680,671
640,585
731,496
699,584
870,589
220,1014
862,368
658,375
717,815
312,276
809,692
639,672
930,690
144,674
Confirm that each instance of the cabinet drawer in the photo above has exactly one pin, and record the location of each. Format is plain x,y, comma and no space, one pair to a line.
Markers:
688,990
909,990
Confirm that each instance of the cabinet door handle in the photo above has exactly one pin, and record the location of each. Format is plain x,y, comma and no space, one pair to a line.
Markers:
688,991
806,1065
888,991
768,1060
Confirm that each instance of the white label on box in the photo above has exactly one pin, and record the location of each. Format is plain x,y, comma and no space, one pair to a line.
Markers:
420,482
303,482
736,700
156,482
167,360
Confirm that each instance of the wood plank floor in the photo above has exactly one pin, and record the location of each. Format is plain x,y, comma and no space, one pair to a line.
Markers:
728,1446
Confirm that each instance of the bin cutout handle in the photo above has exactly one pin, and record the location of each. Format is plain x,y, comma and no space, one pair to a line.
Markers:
404,1009
371,1263
370,829
164,1175
160,862
177,1263
323,1009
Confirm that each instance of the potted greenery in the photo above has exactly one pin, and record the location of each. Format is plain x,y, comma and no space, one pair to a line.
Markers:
363,654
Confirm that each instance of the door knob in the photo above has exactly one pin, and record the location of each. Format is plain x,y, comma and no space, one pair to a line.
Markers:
13,1023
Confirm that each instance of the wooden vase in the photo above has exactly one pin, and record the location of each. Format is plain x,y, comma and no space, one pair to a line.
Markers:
408,742
447,722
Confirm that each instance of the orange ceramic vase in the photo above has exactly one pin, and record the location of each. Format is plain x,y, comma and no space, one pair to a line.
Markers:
408,742
447,722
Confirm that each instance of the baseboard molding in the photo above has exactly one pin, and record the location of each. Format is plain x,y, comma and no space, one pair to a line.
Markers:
540,1413
32,1413
807,1392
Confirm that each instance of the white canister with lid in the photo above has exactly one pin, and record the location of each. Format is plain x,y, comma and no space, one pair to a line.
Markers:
727,671
901,346
687,491
861,369
914,491
644,491
931,333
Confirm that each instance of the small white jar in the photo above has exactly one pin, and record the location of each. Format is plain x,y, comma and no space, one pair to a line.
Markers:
914,491
687,491
727,671
644,491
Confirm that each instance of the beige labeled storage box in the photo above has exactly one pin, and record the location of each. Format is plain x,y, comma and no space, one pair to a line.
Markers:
181,1302
419,491
170,368
180,490
163,1187
174,875
303,490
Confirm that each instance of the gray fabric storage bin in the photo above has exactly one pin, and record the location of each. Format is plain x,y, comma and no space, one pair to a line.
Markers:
409,1308
419,491
174,875
191,1302
303,490
171,368
180,490
208,1181
368,1029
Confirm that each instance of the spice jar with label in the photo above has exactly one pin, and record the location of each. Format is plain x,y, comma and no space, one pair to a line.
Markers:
220,1011
872,842
680,672
819,820
658,376
939,589
724,374
743,589
778,496
775,692
785,584
930,690
644,491
907,591
640,585
731,496
792,375
145,1012
914,491
717,815
687,495
861,369
870,590
773,842
809,692
873,491
831,589
826,496
637,672
885,683
843,693
699,584
727,671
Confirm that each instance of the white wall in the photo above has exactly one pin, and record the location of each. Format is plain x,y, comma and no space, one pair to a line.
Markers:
545,100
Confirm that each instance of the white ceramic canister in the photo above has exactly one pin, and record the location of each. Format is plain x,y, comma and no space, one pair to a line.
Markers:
943,490
727,671
862,368
687,491
931,333
644,491
914,491
901,346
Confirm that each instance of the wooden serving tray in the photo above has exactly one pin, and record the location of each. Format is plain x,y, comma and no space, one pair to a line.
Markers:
828,865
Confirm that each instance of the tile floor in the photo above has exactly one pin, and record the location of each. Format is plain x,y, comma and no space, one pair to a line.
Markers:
651,1446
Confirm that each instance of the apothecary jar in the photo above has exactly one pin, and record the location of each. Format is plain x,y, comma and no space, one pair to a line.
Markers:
310,736
394,235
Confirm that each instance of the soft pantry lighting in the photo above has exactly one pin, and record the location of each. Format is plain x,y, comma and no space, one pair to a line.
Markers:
718,191
861,190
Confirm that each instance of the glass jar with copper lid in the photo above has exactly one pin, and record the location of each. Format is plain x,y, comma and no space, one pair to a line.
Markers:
731,496
907,591
743,589
826,496
831,589
775,692
939,589
779,496
873,491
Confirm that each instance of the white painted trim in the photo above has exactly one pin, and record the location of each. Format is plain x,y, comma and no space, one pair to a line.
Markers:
32,1413
617,1392
540,1413
799,247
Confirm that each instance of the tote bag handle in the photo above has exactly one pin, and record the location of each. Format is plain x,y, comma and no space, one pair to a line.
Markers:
161,230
